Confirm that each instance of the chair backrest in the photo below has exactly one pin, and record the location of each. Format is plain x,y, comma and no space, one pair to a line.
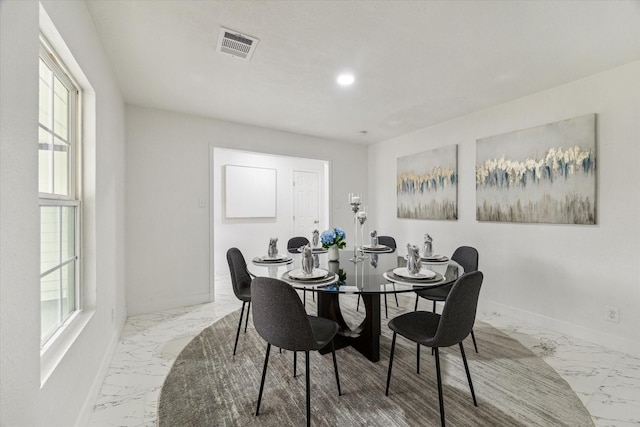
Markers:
279,316
459,311
240,277
467,257
387,241
295,242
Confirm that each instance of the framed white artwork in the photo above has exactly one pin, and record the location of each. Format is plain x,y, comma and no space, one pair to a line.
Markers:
250,192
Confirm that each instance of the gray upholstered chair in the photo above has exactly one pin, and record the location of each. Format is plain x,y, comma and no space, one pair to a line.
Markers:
241,282
467,257
435,331
293,245
391,242
295,242
280,319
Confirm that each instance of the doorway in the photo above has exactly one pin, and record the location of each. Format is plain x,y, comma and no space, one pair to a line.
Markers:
309,206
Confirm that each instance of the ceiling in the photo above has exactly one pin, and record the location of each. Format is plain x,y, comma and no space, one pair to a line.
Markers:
416,63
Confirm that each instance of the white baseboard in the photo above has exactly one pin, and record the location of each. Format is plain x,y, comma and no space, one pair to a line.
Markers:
609,341
98,380
160,305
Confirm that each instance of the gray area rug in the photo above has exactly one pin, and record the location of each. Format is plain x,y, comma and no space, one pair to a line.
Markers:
207,386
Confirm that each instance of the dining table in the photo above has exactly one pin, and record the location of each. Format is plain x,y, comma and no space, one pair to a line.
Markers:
377,272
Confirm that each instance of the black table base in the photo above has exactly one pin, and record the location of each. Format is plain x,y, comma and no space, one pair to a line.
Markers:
366,337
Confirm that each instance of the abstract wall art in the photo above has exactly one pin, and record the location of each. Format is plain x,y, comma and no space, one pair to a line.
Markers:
546,174
427,184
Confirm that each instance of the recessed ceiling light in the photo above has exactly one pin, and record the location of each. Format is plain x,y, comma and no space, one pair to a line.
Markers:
345,79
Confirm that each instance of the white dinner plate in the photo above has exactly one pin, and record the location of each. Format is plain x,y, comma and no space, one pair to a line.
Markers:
375,248
274,258
423,274
317,273
435,258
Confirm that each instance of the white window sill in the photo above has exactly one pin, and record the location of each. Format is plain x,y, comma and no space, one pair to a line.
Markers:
56,348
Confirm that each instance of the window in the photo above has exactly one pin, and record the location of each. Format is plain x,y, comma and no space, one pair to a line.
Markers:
59,192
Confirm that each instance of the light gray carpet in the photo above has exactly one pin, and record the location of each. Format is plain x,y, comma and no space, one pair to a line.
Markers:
208,387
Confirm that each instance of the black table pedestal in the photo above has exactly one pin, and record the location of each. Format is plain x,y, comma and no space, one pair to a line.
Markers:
366,337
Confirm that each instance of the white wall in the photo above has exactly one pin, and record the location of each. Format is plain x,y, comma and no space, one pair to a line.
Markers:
559,276
168,256
251,235
71,389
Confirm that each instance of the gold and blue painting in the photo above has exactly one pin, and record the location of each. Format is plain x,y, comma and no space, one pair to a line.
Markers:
546,174
427,184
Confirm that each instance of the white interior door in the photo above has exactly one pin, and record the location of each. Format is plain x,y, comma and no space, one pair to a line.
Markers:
306,203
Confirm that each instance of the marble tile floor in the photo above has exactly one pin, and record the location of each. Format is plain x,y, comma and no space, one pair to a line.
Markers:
608,382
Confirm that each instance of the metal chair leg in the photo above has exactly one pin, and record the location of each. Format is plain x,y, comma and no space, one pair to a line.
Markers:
358,306
295,363
246,322
264,374
466,368
386,309
473,337
393,347
304,298
434,307
306,361
439,386
418,359
239,326
335,368
396,295
416,307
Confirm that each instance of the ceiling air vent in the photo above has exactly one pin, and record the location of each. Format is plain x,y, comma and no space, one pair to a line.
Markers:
236,44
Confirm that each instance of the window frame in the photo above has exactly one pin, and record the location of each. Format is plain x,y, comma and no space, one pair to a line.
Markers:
74,188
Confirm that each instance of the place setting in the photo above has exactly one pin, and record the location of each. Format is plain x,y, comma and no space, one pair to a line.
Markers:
374,246
308,274
413,273
404,276
272,257
434,258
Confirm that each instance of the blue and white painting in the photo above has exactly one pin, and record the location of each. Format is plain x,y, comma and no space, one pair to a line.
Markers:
427,184
546,174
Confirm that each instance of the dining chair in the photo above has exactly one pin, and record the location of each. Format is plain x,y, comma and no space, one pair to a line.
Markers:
241,283
445,330
467,257
280,319
293,245
390,242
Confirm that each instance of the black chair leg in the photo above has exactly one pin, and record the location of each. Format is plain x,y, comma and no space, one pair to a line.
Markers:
416,307
439,386
466,368
295,363
358,306
393,347
434,307
239,326
264,374
306,362
396,295
246,322
335,368
418,359
386,309
473,337
304,298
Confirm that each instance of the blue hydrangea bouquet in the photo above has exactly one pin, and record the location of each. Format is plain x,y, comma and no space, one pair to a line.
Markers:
333,238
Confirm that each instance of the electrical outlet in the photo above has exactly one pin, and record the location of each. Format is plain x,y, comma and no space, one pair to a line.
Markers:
612,314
